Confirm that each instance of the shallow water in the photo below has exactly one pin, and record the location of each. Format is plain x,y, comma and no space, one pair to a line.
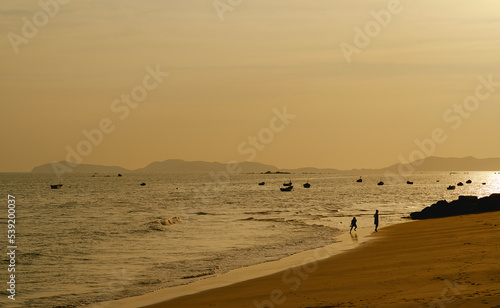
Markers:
100,238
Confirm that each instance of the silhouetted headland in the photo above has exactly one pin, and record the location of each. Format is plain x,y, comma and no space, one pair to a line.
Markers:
464,205
277,172
182,166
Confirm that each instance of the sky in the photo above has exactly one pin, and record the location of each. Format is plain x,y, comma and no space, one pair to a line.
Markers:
313,83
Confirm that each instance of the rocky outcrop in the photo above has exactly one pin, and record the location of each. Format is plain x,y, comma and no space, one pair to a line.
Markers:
464,205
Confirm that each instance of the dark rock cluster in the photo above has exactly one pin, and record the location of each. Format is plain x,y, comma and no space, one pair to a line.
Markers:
464,205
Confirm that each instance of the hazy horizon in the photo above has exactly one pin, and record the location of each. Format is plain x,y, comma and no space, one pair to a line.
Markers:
274,70
414,163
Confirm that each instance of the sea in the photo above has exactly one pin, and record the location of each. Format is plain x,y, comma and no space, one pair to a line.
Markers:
102,237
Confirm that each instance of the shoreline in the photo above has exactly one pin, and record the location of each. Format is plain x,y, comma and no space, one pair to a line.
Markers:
443,262
344,242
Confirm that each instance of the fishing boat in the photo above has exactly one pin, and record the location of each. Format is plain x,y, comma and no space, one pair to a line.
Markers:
143,184
451,187
460,184
409,182
380,183
307,185
288,188
262,183
469,181
57,186
359,180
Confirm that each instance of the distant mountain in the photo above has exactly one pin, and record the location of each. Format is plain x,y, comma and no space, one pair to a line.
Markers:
433,163
311,170
182,166
82,168
168,166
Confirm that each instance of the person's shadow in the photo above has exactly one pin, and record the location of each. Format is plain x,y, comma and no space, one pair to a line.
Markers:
354,237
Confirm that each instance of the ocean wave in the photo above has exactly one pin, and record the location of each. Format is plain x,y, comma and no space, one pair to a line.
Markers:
61,205
316,216
265,212
32,254
136,210
218,262
278,219
149,282
161,224
260,227
210,273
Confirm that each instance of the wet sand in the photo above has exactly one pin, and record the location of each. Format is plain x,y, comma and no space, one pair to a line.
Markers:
446,262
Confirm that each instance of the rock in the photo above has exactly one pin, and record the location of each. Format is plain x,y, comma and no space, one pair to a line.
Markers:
464,205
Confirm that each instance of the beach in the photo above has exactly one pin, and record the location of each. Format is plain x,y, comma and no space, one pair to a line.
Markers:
126,248
446,262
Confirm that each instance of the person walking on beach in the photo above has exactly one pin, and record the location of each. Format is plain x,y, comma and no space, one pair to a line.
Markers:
375,220
353,224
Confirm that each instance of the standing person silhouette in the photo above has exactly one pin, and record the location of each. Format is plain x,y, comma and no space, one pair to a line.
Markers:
375,220
353,224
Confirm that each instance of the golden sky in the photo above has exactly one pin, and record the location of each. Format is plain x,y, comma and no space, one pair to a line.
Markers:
227,77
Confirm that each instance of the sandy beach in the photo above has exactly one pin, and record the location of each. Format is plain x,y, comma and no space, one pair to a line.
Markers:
446,262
